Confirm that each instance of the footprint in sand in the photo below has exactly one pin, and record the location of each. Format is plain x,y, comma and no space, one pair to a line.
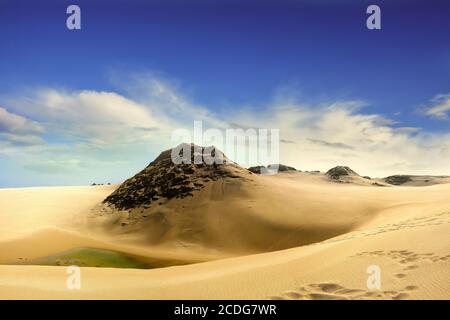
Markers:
405,257
410,288
401,296
334,291
276,298
293,295
437,219
412,267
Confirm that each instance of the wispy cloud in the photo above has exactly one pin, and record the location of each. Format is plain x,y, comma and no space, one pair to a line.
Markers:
337,145
337,133
54,166
440,107
91,116
16,124
90,133
18,131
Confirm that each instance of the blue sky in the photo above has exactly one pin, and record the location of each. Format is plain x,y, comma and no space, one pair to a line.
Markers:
225,58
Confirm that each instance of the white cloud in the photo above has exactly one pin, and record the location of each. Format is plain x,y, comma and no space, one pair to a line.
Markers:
54,165
93,116
21,140
114,134
440,108
18,131
14,124
106,134
340,134
166,100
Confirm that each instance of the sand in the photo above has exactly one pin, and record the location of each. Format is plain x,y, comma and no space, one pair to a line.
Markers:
290,236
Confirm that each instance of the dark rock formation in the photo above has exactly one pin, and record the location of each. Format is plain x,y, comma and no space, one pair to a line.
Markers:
337,172
163,179
398,180
256,169
282,167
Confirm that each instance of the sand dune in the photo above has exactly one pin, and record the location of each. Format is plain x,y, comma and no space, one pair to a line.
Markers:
25,210
259,213
295,235
413,256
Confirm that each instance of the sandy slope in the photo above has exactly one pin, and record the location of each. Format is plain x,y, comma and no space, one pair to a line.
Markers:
25,210
37,222
404,230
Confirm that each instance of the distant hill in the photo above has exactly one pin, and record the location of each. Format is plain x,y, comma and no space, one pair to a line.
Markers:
416,180
340,171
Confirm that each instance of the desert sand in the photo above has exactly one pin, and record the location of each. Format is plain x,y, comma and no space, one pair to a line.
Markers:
294,235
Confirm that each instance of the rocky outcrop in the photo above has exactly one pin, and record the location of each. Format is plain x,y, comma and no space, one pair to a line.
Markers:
340,171
163,179
398,180
256,169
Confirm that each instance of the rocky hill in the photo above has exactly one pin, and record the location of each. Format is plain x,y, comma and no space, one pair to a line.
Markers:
162,179
341,171
416,180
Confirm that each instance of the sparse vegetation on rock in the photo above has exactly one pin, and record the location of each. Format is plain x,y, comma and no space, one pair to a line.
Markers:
337,172
256,169
398,179
164,179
